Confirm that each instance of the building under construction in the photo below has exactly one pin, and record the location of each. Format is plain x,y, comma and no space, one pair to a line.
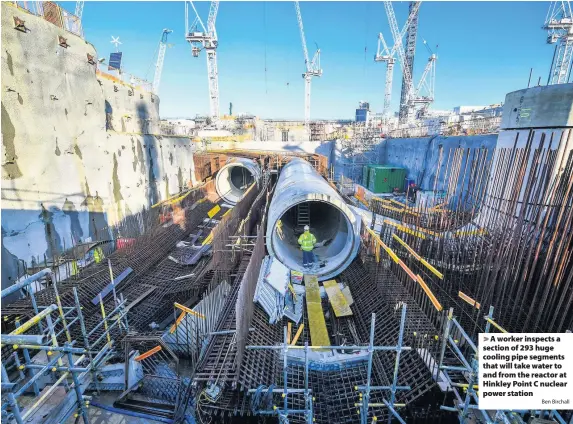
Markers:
151,277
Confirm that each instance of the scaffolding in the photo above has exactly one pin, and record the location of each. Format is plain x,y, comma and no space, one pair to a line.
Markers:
58,374
360,149
462,376
364,391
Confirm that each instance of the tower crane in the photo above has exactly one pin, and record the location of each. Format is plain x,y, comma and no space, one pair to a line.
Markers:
559,26
410,94
79,9
424,93
202,38
384,54
312,67
160,59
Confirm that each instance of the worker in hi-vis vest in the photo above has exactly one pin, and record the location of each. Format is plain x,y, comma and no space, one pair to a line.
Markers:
307,241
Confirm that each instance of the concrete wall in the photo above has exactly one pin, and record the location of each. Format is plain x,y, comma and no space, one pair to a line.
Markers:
539,107
420,156
65,177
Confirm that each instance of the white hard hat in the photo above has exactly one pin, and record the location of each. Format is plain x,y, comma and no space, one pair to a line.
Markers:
306,228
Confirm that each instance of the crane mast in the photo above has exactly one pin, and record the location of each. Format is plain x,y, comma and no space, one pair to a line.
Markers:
205,38
160,60
559,25
398,47
384,54
405,110
312,67
411,96
79,9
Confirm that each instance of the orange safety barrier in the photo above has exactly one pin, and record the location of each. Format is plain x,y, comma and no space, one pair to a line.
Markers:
177,322
148,353
189,311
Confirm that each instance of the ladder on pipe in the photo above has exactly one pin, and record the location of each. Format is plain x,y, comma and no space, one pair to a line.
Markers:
302,215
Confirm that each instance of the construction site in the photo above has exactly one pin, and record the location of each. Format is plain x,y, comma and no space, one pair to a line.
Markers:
240,270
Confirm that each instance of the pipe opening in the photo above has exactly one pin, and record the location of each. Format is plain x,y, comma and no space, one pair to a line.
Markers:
331,227
233,181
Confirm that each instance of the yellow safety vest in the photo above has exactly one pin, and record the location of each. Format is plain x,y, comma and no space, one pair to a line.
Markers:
75,270
98,255
306,241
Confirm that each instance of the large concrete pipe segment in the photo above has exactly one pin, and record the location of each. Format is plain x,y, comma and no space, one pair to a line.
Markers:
233,179
301,189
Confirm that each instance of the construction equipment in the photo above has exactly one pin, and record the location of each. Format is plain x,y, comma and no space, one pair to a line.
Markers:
411,96
312,67
559,26
299,183
206,40
160,59
79,9
387,55
427,83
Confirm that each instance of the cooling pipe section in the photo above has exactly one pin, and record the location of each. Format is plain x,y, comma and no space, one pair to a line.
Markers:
303,197
233,179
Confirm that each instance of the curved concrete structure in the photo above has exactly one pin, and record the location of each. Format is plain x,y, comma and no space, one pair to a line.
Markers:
331,221
235,177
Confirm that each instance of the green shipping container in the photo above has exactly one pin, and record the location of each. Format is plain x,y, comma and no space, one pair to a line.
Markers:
365,172
383,179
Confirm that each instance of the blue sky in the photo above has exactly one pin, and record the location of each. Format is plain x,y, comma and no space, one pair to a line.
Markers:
486,50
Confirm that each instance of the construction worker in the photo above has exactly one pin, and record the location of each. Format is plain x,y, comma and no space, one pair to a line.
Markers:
307,241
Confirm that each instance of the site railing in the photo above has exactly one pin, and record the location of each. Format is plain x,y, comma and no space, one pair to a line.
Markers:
53,13
460,346
365,390
177,129
44,332
475,126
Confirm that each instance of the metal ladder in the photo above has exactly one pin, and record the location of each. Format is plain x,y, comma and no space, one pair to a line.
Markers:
302,214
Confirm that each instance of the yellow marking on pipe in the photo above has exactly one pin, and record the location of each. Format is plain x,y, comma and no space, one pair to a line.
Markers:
64,322
104,319
33,321
148,353
469,300
289,330
214,211
177,322
429,293
297,335
189,311
397,203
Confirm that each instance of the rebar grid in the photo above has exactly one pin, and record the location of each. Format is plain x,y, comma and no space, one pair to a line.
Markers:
146,250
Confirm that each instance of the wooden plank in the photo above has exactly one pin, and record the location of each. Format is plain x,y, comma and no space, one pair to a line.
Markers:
214,211
316,321
337,299
469,300
297,335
